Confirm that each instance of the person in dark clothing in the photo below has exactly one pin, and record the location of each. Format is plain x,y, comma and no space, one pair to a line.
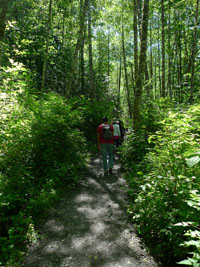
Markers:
122,131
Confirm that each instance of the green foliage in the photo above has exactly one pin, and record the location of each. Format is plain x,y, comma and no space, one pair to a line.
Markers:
162,182
42,152
193,231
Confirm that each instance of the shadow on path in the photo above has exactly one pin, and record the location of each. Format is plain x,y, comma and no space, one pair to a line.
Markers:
90,227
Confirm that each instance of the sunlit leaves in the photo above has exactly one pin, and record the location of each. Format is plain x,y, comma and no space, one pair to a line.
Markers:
193,161
166,198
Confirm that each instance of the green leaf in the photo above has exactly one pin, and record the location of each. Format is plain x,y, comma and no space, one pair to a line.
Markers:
186,262
192,161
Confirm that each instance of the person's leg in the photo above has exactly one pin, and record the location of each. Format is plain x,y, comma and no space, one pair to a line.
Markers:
114,149
104,156
117,144
110,156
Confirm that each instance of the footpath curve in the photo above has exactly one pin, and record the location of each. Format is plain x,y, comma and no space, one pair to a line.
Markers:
90,227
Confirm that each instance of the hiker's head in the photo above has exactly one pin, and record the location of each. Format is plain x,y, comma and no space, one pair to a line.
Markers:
105,119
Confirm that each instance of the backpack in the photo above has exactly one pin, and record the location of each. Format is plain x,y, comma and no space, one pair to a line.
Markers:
107,133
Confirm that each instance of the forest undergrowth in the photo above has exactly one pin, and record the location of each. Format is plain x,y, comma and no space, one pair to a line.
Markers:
45,144
163,173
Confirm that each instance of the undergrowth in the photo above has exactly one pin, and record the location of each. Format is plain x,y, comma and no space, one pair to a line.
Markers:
163,173
44,151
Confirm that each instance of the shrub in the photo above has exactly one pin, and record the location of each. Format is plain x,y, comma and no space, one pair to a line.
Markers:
162,182
42,150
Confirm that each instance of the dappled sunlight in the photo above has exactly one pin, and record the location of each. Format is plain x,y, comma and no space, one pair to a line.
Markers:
54,226
97,161
81,243
84,198
98,228
90,228
55,247
92,212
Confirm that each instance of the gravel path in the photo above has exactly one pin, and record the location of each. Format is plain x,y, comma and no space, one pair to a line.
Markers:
90,227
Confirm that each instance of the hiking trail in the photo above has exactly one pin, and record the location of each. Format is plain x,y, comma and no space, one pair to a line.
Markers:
90,227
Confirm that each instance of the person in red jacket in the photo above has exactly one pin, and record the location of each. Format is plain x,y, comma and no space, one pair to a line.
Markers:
105,144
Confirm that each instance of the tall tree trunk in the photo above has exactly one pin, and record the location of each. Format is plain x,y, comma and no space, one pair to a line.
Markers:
91,72
82,65
3,12
47,46
159,68
142,62
155,79
179,65
151,59
126,73
82,28
133,78
135,29
108,54
62,51
163,48
169,82
148,89
194,52
139,15
119,81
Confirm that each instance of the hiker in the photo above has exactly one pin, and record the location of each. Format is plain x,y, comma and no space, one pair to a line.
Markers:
105,144
122,131
117,135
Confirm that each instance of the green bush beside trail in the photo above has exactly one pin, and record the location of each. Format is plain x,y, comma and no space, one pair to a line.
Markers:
42,150
164,172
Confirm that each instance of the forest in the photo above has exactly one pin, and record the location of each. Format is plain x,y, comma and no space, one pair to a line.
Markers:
63,66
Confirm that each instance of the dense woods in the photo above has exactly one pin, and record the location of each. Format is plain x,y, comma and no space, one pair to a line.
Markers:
65,64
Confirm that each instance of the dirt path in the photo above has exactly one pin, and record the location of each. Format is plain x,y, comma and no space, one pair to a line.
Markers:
90,227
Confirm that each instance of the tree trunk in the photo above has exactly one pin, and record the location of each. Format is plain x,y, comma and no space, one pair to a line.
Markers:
169,83
163,48
142,62
3,12
119,81
82,28
91,72
159,68
194,53
62,52
147,87
82,67
135,29
139,15
47,46
151,59
126,73
108,54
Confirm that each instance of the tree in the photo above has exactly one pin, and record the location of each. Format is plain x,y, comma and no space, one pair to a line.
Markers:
91,71
142,62
135,29
163,48
82,28
126,73
3,12
46,46
194,52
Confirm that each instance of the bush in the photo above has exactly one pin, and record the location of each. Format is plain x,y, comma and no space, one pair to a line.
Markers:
162,183
42,150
